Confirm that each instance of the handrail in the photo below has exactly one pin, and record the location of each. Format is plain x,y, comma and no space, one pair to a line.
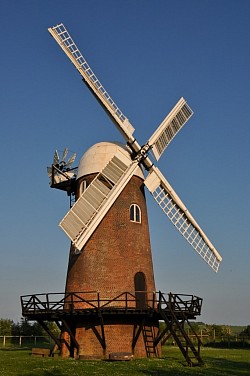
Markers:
94,300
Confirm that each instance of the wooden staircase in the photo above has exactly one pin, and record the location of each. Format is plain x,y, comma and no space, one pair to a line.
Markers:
175,320
149,340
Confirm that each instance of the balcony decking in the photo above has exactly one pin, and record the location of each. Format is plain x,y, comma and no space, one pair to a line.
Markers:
53,306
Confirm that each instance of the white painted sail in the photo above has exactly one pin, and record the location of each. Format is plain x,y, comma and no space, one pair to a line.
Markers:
65,41
170,126
181,218
88,211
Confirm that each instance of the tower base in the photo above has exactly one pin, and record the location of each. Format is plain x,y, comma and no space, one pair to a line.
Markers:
100,337
126,324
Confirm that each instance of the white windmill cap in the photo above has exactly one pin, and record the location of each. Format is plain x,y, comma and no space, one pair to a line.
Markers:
98,156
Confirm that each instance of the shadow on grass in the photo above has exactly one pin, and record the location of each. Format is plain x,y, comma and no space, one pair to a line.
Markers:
55,372
14,348
229,367
157,372
217,363
51,372
212,367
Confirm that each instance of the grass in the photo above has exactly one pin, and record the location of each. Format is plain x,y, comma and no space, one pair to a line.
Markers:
218,362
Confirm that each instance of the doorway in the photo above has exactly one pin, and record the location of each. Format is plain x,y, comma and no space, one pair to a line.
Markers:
140,290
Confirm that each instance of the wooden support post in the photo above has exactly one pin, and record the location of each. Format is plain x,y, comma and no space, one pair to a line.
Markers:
161,335
45,327
99,337
136,333
71,334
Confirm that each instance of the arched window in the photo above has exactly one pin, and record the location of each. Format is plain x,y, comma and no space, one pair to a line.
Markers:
135,213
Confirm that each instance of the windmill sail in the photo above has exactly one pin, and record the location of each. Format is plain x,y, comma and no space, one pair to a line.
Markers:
170,126
70,160
181,218
65,153
56,158
88,211
90,208
63,38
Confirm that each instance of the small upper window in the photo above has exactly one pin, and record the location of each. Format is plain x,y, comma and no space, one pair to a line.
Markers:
135,213
83,186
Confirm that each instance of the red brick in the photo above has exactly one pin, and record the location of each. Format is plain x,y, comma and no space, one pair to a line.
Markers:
116,251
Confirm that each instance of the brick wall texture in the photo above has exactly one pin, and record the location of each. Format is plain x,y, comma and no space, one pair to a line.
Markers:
108,263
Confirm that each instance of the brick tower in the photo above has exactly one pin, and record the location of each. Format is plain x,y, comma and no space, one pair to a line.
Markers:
115,260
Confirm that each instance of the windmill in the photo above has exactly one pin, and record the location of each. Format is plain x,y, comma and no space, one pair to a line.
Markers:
110,246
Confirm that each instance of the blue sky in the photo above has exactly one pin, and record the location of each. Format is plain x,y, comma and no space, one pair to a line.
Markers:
147,54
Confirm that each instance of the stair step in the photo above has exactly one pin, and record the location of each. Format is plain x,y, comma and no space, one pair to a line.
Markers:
179,334
148,336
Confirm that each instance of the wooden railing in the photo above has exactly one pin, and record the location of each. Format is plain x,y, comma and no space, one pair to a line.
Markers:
94,300
182,303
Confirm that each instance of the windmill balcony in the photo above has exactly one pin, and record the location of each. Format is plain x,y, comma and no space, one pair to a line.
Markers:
50,306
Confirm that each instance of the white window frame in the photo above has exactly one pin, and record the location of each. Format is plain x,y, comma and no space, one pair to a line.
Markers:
83,186
136,209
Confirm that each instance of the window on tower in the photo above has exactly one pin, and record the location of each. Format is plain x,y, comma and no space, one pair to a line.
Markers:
83,186
135,213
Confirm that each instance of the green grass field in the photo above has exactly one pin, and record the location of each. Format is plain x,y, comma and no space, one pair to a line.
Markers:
218,362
